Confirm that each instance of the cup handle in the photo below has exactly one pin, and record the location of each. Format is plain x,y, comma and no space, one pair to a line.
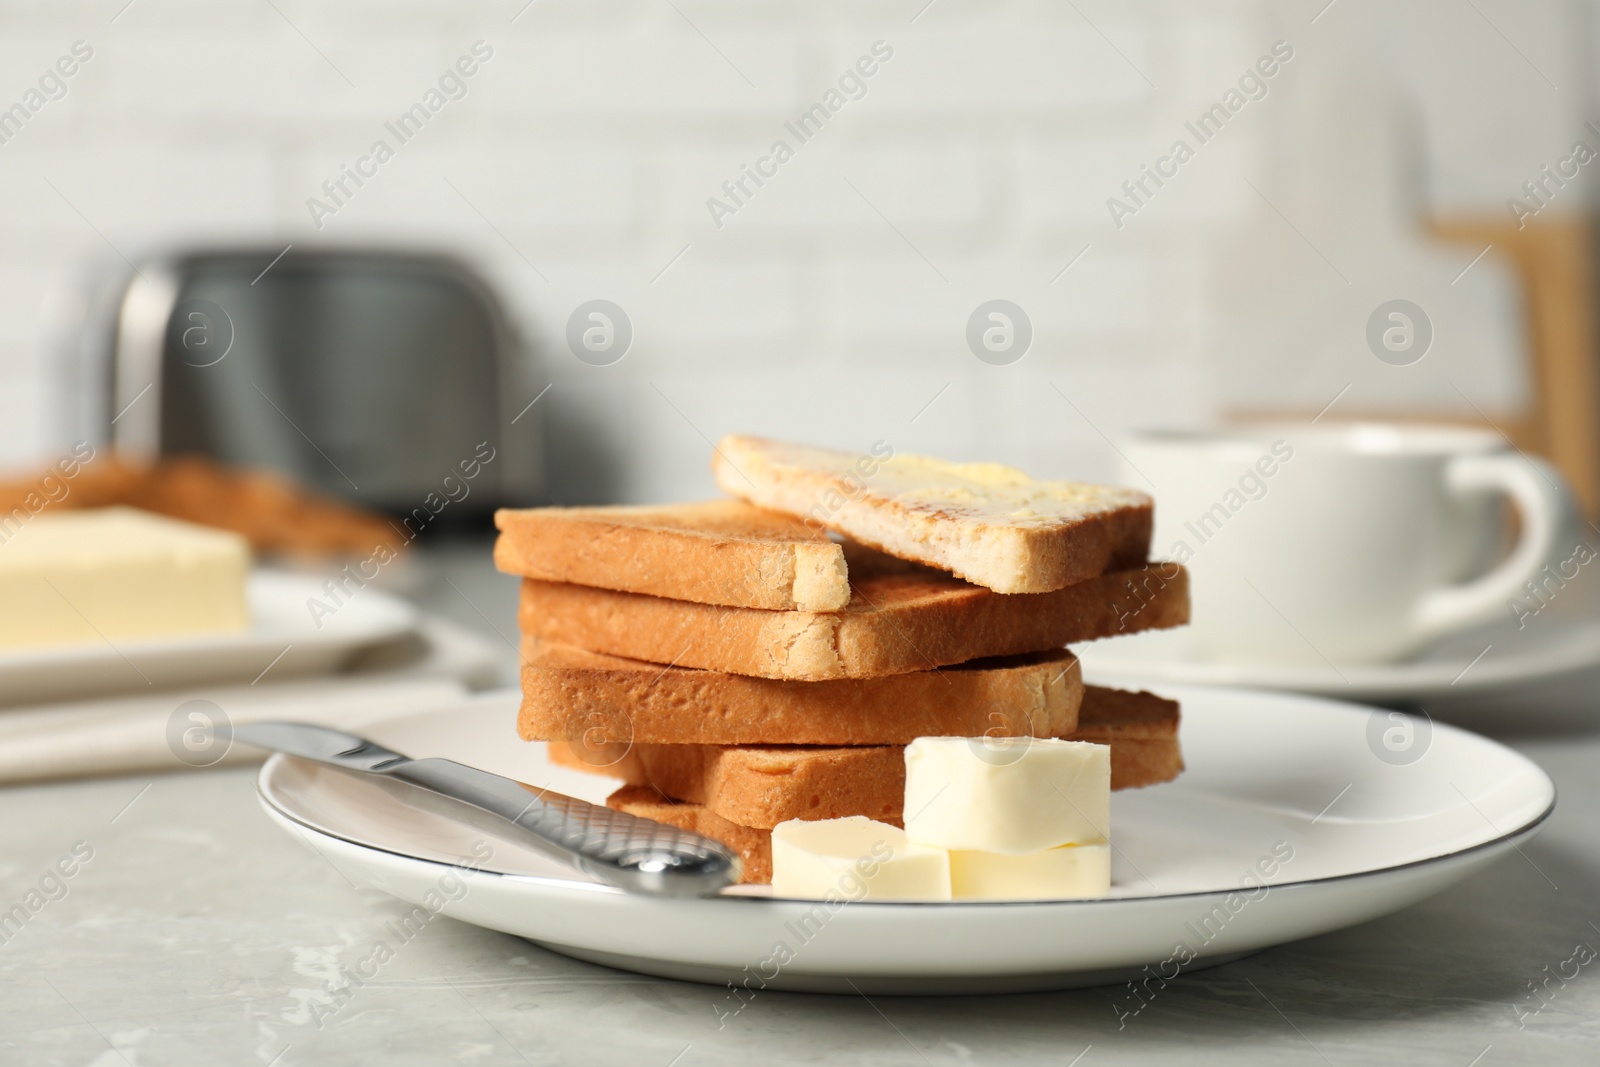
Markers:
1546,508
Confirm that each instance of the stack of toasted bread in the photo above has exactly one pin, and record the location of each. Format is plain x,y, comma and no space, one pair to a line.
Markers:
738,663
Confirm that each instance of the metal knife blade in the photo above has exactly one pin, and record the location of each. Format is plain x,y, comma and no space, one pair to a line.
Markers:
320,743
640,855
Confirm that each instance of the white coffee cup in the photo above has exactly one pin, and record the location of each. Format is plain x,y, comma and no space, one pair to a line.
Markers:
1345,544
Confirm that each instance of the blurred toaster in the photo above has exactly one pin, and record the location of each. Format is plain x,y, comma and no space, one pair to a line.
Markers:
371,375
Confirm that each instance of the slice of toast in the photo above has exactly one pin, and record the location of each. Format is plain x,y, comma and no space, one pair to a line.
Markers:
763,785
711,552
569,694
895,623
990,524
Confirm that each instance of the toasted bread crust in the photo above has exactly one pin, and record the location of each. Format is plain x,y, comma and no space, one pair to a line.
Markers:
713,552
894,624
1126,715
768,784
981,522
569,694
764,785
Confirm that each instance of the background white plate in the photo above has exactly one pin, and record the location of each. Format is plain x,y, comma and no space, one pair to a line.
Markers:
279,621
1369,836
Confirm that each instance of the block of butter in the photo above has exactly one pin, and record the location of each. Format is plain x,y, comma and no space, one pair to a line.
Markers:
1066,873
1008,795
855,858
110,574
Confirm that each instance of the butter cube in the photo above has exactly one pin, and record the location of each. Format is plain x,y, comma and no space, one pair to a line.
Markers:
1071,872
108,574
1008,795
855,858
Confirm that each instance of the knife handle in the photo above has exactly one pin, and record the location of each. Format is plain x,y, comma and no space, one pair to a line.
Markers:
639,855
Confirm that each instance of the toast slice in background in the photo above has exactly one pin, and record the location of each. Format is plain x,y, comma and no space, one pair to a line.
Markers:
569,694
894,623
711,552
763,785
990,524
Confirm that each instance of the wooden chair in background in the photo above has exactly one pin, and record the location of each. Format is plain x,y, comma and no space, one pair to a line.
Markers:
1556,261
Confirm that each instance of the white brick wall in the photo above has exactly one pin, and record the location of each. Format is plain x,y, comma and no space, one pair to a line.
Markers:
981,157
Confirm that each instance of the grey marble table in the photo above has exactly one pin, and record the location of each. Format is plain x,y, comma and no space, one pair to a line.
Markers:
192,931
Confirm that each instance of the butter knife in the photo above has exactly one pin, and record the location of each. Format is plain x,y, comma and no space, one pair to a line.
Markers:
639,855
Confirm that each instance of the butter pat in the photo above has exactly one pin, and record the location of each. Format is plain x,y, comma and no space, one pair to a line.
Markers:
1071,872
1008,795
855,858
109,574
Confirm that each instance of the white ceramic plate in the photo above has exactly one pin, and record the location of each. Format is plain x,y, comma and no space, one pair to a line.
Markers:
1266,772
280,623
1485,662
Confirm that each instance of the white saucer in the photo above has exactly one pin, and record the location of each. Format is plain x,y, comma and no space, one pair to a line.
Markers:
1471,665
280,623
1369,836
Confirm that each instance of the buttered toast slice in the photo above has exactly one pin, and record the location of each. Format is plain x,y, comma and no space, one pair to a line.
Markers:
712,552
990,524
569,694
894,623
763,785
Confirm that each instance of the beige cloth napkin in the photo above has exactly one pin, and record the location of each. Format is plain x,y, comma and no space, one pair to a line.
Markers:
149,733
159,731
